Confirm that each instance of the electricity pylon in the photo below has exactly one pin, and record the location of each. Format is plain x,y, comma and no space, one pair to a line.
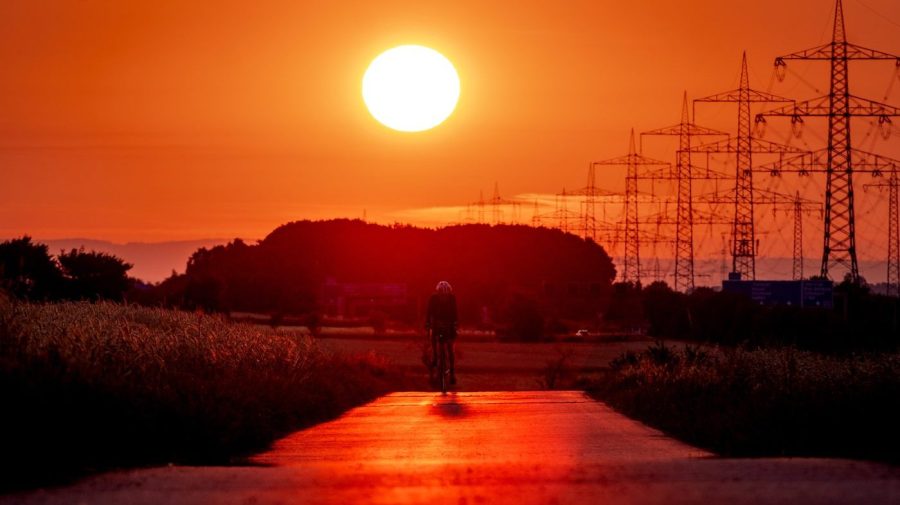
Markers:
841,160
797,264
684,228
797,207
496,203
589,219
743,235
634,163
893,245
893,268
591,194
561,213
536,215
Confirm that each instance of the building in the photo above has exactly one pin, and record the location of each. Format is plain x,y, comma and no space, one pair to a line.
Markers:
804,293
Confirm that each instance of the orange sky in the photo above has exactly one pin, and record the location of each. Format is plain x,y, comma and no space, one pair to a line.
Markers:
158,120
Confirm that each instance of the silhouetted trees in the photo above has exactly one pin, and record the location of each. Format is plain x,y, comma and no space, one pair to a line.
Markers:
94,275
565,275
860,320
29,272
625,308
524,320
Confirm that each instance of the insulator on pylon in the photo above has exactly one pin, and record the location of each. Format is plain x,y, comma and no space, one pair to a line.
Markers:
760,126
780,69
885,124
797,125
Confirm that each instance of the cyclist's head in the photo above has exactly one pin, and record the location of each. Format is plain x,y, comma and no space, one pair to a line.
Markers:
443,287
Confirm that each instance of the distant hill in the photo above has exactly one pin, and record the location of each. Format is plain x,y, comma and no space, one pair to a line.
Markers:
304,266
153,261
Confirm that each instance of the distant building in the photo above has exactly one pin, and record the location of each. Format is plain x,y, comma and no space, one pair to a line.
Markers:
355,300
805,293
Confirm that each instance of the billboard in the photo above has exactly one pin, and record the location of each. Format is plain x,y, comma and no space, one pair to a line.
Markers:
807,293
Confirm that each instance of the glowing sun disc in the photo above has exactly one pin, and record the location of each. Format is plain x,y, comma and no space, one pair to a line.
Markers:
410,88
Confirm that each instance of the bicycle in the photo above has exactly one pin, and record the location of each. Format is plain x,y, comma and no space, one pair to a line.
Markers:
442,368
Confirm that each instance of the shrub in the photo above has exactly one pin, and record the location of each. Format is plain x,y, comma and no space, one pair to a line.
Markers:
100,385
762,402
525,321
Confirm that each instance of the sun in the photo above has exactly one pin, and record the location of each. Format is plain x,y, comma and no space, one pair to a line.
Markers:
410,88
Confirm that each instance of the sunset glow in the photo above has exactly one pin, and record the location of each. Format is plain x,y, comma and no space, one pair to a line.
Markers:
154,122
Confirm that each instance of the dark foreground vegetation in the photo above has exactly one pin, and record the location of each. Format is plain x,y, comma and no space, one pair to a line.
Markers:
860,320
93,386
769,402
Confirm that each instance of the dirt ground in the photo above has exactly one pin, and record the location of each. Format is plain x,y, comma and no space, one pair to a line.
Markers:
495,366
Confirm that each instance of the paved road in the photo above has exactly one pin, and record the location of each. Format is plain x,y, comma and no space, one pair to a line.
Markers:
473,448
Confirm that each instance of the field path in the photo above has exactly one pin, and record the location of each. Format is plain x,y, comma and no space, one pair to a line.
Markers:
491,447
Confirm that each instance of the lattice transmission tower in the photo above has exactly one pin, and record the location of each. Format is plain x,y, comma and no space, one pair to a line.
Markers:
839,159
797,264
590,195
797,207
634,163
496,203
743,146
683,176
893,239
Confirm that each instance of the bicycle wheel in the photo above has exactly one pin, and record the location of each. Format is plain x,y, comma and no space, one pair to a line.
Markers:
442,370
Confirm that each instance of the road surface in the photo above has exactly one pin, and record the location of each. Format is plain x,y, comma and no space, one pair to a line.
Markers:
493,447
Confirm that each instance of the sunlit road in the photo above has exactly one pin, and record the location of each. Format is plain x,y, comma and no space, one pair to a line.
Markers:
493,447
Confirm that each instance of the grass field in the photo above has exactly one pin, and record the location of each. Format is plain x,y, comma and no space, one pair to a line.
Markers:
496,366
769,402
94,386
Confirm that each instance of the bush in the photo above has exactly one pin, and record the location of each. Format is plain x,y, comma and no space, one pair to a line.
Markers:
29,272
101,385
771,402
92,275
859,321
524,320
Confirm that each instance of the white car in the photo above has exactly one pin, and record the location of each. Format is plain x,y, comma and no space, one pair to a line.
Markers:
582,333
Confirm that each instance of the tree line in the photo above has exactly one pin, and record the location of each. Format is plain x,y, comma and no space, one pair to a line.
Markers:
524,282
859,319
28,271
498,272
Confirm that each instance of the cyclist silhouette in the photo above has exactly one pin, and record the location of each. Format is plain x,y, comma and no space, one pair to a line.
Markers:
441,321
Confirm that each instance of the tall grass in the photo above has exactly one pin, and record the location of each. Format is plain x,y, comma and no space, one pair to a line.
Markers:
768,402
88,386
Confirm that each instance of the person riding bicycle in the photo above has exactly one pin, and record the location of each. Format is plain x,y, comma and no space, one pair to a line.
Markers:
441,321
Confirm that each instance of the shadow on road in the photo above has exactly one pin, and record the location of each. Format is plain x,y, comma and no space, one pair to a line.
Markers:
449,406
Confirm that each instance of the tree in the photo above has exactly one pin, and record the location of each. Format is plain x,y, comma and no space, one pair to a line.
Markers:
524,318
94,275
28,271
667,312
287,270
626,305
